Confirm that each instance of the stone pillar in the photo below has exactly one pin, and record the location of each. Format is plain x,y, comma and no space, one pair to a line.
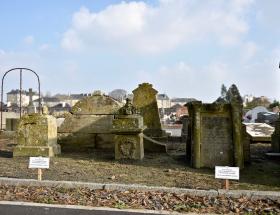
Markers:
37,136
275,138
128,128
246,144
236,113
196,154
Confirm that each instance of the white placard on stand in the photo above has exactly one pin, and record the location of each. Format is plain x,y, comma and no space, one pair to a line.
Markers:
39,162
225,172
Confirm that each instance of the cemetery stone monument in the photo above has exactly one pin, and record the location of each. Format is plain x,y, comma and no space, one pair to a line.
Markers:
216,132
89,125
37,136
31,108
128,128
144,99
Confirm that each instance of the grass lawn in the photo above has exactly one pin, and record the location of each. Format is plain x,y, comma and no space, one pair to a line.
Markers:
155,169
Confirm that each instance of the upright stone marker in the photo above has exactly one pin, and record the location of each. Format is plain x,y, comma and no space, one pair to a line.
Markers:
37,136
128,128
144,99
31,108
216,137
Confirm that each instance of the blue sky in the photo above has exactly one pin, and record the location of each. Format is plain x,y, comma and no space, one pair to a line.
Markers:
185,48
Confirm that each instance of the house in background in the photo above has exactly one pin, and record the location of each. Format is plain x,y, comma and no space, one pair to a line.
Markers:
60,108
181,101
13,98
163,101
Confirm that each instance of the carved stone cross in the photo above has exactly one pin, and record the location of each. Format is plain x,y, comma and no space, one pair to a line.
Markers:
30,96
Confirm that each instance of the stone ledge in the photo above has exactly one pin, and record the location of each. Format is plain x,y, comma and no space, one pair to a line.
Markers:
253,194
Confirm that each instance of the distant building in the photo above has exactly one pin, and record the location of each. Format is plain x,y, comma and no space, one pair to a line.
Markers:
163,101
60,108
61,99
247,99
259,101
181,101
47,101
74,98
13,98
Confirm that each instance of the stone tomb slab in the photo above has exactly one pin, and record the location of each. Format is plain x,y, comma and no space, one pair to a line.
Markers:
216,140
259,132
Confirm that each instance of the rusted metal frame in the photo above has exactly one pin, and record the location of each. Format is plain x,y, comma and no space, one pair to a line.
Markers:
2,90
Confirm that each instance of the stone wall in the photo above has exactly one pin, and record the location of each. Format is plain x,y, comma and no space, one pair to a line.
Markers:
89,126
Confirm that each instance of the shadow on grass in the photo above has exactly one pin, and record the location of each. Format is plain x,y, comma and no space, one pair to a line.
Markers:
6,154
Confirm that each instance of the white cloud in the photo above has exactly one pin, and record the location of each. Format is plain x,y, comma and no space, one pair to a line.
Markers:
2,52
250,49
44,47
186,80
29,40
144,28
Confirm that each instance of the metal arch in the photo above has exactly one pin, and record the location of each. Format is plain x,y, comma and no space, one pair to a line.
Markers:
2,89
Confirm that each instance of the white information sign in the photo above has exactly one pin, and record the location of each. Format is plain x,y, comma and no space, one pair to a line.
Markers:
39,162
225,172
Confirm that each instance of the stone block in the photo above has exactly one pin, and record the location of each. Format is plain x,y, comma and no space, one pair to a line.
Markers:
128,129
11,124
275,143
129,147
90,124
36,136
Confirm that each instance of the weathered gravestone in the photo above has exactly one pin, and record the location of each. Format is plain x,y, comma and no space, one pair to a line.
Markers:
128,128
259,132
90,124
216,137
275,143
37,136
144,99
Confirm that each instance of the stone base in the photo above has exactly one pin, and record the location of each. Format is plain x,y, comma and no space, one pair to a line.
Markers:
154,147
34,151
129,147
275,143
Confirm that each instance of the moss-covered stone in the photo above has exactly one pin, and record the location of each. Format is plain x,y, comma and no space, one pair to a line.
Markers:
96,104
144,99
275,138
36,136
216,135
128,129
129,146
89,126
